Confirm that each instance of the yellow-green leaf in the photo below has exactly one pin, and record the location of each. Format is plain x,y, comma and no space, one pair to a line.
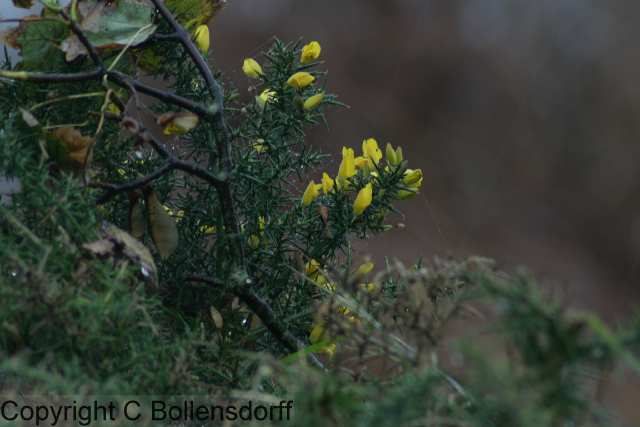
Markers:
163,227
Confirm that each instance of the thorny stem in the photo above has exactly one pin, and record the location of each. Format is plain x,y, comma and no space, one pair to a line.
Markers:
261,309
225,193
173,163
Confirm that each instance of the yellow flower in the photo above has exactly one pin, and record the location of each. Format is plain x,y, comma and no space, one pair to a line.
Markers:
311,267
371,288
413,180
260,146
317,333
365,165
178,215
267,96
327,183
254,241
251,68
394,157
313,101
413,177
112,108
363,270
262,223
311,193
300,80
177,123
310,52
371,151
201,37
347,167
208,229
363,199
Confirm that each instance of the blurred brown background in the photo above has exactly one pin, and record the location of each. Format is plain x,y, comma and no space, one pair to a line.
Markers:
522,114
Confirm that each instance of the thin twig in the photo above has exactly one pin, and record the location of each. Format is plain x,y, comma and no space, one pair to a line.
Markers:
114,189
173,163
170,98
185,39
37,77
91,49
263,310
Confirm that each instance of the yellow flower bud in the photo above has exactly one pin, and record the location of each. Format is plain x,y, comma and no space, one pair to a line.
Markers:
317,334
405,194
208,229
371,288
310,52
394,157
254,241
330,350
363,270
201,37
300,80
112,108
413,180
267,96
260,146
371,151
251,68
363,200
311,193
177,123
347,167
327,183
313,101
413,177
312,267
362,163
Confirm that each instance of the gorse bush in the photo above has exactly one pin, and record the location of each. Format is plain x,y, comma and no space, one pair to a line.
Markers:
178,239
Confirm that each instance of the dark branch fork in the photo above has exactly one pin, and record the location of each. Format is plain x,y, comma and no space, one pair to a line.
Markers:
242,283
173,163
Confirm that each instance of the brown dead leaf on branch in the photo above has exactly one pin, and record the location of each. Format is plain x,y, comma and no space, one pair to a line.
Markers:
69,147
119,246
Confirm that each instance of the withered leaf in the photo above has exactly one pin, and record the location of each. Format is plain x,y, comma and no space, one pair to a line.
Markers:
69,147
29,118
178,123
37,39
111,25
24,4
120,246
136,216
163,227
216,317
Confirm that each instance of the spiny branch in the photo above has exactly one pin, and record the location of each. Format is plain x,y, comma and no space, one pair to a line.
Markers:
225,193
263,310
173,163
185,39
162,95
